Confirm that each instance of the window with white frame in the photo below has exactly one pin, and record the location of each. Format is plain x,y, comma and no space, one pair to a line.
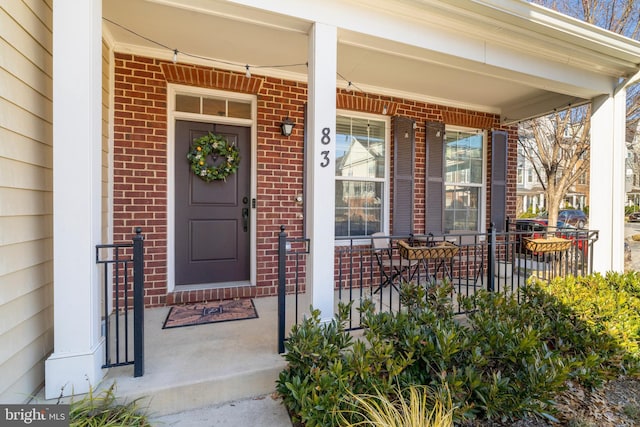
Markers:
520,175
361,175
582,179
463,179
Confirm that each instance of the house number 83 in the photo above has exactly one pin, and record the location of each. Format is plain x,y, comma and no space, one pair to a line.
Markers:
325,140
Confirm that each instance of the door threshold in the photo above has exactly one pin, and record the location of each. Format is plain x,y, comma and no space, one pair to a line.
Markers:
217,285
210,292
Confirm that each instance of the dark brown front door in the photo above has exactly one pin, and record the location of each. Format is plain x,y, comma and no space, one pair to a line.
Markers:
211,218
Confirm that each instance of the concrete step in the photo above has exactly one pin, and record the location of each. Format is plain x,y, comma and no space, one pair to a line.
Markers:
198,366
263,411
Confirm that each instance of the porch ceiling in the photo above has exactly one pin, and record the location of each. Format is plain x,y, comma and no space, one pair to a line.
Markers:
455,52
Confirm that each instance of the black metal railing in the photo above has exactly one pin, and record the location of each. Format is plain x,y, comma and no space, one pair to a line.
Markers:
120,261
289,278
496,261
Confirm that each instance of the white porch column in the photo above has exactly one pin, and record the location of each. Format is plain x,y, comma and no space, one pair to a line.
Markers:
320,167
606,212
78,345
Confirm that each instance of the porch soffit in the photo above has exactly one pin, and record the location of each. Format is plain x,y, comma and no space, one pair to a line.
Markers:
498,56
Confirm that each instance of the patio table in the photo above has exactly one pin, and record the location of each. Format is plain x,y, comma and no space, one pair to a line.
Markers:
426,251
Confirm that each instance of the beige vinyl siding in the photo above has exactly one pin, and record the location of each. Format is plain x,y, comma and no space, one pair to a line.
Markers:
26,199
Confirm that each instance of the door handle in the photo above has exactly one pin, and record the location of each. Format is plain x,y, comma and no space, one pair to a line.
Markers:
245,219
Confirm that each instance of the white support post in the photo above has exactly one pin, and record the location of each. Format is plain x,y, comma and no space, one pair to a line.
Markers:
606,210
320,167
77,69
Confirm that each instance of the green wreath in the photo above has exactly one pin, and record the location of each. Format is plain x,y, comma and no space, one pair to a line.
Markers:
225,156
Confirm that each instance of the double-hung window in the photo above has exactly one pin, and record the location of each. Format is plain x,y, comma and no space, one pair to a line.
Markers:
361,175
463,179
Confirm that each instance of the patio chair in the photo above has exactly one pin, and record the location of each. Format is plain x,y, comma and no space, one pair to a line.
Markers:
392,267
473,271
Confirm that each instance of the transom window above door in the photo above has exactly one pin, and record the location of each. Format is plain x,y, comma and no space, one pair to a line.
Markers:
213,106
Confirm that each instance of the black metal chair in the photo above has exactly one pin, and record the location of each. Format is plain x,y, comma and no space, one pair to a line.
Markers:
392,267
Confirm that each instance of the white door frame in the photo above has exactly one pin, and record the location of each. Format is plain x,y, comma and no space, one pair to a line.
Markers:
172,117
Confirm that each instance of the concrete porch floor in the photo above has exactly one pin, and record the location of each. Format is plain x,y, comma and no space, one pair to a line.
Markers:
193,367
198,366
209,365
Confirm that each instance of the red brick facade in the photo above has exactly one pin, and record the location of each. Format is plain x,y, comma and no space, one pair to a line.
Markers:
140,160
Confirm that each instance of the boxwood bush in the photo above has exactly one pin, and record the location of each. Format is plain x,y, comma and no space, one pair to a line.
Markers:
506,360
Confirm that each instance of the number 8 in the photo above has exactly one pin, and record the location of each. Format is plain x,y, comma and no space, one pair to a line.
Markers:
326,139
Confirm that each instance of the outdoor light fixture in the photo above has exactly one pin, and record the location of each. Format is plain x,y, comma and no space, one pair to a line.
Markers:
286,127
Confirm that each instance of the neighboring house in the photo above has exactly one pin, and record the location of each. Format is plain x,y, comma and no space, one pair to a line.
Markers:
531,195
578,196
100,102
632,165
530,192
530,189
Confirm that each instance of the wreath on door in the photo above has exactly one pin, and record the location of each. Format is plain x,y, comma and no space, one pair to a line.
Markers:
213,158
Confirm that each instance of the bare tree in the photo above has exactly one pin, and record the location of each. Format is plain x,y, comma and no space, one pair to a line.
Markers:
558,148
558,145
618,16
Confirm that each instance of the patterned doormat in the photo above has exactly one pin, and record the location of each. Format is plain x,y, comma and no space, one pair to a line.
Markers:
210,312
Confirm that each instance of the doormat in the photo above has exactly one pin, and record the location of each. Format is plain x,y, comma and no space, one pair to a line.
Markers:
210,312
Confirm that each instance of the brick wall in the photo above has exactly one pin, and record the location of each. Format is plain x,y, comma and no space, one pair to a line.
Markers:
140,157
140,160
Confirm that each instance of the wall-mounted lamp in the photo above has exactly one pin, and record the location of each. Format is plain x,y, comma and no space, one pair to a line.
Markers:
286,127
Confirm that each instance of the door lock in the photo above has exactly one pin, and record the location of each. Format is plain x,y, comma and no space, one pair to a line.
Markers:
245,219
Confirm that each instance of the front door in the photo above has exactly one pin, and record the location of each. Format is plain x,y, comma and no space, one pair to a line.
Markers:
211,218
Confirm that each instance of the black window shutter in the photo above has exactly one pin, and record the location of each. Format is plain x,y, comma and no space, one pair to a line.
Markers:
434,208
403,167
499,141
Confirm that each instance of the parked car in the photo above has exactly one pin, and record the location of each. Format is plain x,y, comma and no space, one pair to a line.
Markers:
634,217
574,217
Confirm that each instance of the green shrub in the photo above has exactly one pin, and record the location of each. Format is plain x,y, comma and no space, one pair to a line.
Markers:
314,380
507,361
597,321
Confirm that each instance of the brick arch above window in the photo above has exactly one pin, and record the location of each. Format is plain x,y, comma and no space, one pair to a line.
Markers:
463,118
348,101
211,78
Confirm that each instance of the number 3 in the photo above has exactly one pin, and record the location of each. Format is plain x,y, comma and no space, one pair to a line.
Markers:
325,155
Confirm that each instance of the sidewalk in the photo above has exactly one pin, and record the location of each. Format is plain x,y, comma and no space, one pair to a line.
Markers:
631,252
263,411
